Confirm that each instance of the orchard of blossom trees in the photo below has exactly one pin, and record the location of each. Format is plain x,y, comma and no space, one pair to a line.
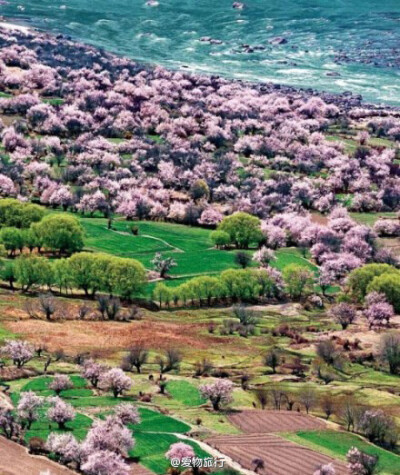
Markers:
90,132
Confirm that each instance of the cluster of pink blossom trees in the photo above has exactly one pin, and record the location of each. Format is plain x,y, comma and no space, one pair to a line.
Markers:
105,447
339,246
157,144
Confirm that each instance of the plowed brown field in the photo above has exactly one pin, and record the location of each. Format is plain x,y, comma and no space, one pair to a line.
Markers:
274,421
280,456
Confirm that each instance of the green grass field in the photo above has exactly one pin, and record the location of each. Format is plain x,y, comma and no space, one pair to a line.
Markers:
190,247
350,143
152,421
150,450
42,428
370,218
337,444
185,393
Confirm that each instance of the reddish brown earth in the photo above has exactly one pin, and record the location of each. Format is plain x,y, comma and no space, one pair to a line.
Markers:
137,469
110,337
252,421
280,456
15,460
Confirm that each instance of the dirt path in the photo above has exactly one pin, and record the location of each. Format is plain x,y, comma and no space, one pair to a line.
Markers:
15,460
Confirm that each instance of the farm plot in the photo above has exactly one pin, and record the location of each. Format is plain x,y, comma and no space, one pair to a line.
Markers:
280,456
252,422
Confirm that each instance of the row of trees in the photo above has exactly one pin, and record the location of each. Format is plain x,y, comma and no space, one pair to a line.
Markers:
56,233
237,284
88,272
240,285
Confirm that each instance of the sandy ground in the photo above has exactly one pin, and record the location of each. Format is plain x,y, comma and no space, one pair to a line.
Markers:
12,26
15,460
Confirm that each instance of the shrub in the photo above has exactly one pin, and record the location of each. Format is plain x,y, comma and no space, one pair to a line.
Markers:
389,285
242,259
37,446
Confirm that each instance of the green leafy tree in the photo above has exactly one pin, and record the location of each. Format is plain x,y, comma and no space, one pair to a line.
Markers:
12,240
127,277
240,284
8,274
298,280
85,274
221,239
359,279
63,277
243,229
162,294
30,239
14,213
32,270
209,287
268,286
185,292
60,233
101,268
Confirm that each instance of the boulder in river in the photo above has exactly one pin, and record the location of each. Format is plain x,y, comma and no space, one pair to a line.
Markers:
278,40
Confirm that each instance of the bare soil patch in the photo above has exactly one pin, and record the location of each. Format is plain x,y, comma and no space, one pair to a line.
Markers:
15,460
280,456
111,337
137,469
252,421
